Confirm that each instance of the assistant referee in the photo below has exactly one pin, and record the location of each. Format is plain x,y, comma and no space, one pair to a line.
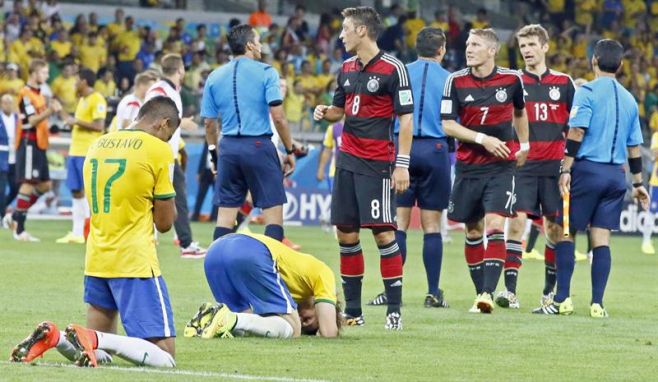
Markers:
604,130
239,98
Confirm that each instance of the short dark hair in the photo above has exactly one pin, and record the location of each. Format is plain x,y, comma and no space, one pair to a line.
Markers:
429,40
365,16
609,54
88,76
160,107
238,38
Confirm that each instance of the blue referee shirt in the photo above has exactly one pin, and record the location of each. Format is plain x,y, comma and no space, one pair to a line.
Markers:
240,94
611,119
427,79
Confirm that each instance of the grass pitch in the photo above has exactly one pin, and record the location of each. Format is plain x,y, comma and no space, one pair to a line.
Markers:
44,281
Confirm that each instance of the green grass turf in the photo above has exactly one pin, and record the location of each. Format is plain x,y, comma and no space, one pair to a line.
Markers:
44,281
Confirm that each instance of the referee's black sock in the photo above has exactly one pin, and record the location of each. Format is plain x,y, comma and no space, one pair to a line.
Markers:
274,231
220,231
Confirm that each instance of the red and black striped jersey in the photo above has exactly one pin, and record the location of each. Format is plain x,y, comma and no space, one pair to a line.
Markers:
372,96
484,105
548,103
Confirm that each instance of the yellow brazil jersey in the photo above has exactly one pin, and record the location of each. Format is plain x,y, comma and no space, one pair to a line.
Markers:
304,275
107,89
123,173
328,142
128,43
64,90
93,56
90,108
654,174
62,49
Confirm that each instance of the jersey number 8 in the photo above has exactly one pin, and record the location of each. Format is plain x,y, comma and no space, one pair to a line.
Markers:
355,104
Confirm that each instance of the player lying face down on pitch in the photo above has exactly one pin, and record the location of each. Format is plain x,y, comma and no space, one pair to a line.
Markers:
264,288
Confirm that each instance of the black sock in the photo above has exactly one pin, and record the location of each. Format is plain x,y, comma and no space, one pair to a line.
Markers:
512,264
19,218
351,272
274,231
391,270
220,231
589,241
532,238
238,220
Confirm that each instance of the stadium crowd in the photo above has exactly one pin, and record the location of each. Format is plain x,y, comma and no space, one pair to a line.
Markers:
308,59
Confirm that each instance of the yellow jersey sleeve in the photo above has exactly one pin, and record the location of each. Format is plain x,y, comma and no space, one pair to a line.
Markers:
328,141
324,285
163,169
98,107
654,141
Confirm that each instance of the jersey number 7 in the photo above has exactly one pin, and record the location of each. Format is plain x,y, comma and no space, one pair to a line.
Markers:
108,186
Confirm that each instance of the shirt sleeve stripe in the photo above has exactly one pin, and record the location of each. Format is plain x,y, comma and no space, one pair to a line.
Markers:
402,74
164,196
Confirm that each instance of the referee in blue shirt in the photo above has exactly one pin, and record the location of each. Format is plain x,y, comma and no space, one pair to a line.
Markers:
604,130
429,169
239,98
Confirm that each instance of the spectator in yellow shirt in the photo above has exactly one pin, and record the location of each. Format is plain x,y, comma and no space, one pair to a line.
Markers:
106,85
633,9
10,82
440,21
64,88
294,106
309,82
128,44
62,45
326,76
481,20
412,26
92,54
653,120
116,27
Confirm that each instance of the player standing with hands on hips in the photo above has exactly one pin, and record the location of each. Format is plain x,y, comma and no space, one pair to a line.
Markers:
373,87
604,131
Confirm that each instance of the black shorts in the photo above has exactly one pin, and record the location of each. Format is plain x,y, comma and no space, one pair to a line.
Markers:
31,163
430,176
362,201
538,195
473,197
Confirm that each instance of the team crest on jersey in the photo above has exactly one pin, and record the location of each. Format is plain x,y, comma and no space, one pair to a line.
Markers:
373,84
501,95
554,93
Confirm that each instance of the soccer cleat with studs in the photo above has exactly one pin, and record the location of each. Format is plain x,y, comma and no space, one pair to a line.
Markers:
435,300
353,320
43,338
380,299
393,321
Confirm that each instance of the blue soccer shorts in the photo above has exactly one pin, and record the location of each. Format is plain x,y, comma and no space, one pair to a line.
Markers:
653,207
249,164
143,304
597,195
74,175
242,274
429,173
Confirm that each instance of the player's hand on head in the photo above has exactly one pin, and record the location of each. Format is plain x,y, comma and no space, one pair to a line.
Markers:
564,183
496,147
400,179
642,196
319,112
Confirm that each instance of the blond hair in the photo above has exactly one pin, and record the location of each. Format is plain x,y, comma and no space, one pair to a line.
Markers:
488,34
533,30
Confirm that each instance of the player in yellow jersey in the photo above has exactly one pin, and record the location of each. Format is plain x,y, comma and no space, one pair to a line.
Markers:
647,245
265,289
128,174
88,125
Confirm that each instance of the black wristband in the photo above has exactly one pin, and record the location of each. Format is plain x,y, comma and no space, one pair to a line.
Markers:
638,184
635,165
572,148
212,150
291,151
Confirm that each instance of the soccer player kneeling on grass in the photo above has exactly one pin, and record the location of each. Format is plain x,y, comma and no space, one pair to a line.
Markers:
265,289
128,174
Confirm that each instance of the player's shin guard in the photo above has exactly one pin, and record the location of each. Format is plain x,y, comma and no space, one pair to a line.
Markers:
549,265
351,272
565,261
401,238
474,251
601,263
432,259
135,350
494,259
390,266
274,231
513,262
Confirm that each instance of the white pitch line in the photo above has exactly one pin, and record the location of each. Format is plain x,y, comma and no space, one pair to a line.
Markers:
209,374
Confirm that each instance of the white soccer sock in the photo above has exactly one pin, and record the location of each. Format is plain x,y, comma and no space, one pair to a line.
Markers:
78,212
271,326
65,348
647,228
135,350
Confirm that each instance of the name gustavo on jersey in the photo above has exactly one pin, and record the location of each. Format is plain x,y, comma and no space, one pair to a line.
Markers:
119,143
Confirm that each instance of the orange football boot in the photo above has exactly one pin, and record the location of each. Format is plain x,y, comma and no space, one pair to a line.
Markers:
85,341
43,338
